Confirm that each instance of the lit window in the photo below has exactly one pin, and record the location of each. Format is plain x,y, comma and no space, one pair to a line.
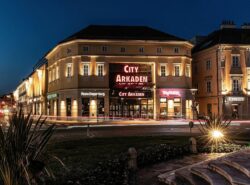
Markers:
85,69
159,50
248,84
123,49
57,72
236,85
69,70
104,48
100,69
188,71
208,86
163,70
176,70
208,64
141,50
85,48
176,50
236,61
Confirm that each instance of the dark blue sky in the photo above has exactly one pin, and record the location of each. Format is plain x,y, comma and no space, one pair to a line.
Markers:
28,29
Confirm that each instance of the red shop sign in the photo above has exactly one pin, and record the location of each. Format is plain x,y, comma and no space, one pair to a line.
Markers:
169,93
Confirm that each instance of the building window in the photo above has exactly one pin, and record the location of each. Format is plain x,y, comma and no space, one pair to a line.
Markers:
69,70
176,70
236,61
159,50
236,85
208,64
100,69
176,50
123,49
141,50
85,71
85,48
188,71
104,48
208,86
57,72
248,84
163,70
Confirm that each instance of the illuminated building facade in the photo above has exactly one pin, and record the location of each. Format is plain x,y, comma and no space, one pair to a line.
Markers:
31,92
119,71
221,72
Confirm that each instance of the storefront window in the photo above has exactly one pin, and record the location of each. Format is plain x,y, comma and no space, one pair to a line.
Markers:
68,106
85,106
163,107
100,106
135,108
177,107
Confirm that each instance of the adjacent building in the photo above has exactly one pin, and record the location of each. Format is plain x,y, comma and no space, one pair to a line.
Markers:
31,93
113,71
221,71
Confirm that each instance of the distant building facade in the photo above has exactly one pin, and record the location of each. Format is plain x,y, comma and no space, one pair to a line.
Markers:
115,71
221,72
31,93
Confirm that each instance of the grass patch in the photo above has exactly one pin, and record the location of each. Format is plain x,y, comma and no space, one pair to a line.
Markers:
86,153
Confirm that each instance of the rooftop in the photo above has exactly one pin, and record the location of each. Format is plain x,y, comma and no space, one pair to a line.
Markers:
112,32
224,36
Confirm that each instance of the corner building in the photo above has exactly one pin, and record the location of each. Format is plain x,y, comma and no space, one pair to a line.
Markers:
221,72
120,71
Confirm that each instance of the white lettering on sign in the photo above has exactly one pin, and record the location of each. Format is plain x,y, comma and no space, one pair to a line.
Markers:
170,93
131,94
236,99
92,94
131,69
131,79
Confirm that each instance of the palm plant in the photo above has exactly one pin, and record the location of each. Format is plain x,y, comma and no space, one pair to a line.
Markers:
22,148
214,131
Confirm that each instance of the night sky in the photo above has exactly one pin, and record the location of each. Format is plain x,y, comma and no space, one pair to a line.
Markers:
29,28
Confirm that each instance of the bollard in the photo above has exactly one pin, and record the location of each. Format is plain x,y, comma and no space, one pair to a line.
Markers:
193,145
132,166
191,125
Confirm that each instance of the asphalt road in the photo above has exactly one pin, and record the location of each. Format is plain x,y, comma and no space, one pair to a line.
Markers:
78,131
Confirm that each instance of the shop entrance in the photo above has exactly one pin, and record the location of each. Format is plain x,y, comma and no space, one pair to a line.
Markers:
131,108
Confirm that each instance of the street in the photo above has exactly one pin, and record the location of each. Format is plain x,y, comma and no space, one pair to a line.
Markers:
134,128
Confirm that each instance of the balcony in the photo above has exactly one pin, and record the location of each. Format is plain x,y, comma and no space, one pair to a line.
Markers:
236,71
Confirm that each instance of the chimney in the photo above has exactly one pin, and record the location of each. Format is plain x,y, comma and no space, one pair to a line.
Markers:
227,24
246,25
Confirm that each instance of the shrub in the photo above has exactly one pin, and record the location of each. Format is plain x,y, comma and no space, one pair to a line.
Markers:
113,172
22,149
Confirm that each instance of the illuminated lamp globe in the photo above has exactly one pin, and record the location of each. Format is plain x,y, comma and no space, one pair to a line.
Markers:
217,134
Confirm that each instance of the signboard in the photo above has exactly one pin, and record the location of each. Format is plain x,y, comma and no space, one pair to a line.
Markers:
131,94
92,94
52,96
168,93
239,99
130,76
